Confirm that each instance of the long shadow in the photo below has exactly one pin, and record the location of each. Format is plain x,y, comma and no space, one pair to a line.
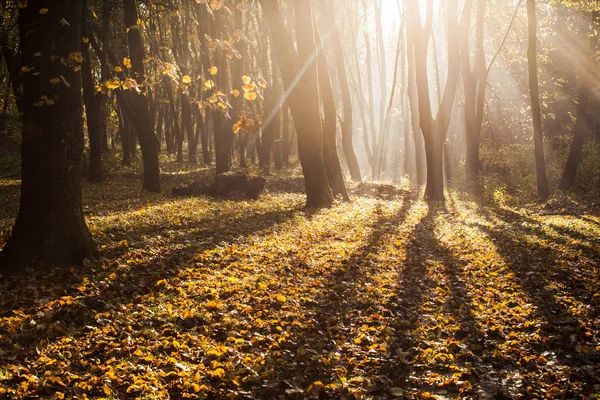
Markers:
423,249
336,312
560,325
577,287
590,220
117,285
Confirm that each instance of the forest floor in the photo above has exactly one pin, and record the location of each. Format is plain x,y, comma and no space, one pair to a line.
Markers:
378,298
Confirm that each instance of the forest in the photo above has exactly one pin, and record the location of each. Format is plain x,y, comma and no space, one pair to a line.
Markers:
299,199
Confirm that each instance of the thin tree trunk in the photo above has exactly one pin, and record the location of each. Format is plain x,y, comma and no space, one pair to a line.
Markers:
139,103
92,105
536,113
347,122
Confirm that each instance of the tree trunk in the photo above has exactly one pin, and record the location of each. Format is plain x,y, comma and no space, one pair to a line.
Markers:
583,117
138,104
159,124
474,82
188,124
330,154
223,130
176,136
304,98
92,105
50,229
434,129
347,122
286,137
434,152
536,113
420,166
272,125
124,132
205,140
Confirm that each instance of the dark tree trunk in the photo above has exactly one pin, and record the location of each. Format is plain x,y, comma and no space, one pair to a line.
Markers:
205,141
238,72
584,119
304,99
272,125
159,125
536,112
50,229
223,130
124,132
176,133
92,105
104,74
104,133
330,154
138,104
186,116
13,64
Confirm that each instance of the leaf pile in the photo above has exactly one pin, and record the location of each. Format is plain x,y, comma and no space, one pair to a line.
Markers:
198,298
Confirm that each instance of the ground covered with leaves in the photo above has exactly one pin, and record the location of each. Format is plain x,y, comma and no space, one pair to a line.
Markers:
385,297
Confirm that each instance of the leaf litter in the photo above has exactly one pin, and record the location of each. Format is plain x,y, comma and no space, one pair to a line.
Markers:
385,297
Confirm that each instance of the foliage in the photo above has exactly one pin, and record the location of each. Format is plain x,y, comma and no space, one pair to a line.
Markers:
196,298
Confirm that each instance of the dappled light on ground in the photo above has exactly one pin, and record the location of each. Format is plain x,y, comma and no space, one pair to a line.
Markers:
259,299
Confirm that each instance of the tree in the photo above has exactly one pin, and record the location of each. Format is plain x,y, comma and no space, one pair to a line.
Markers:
92,100
536,112
474,81
347,115
329,125
584,119
50,229
137,103
304,97
434,129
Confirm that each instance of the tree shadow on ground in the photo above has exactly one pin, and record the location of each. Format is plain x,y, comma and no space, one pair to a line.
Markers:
544,278
336,314
422,299
547,252
117,284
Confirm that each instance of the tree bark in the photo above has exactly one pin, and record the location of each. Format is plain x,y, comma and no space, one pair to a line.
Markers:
92,105
347,122
138,104
330,154
304,97
413,101
583,118
434,129
536,112
50,229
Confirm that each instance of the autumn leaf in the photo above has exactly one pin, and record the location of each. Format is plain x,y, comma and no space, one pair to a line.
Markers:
250,96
